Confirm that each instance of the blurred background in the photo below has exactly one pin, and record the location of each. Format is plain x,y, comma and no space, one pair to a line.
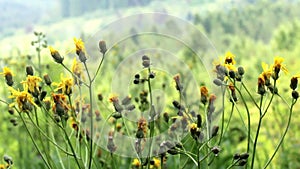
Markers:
253,30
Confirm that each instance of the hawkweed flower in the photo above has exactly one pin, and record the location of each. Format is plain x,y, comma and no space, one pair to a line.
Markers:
155,162
80,49
65,85
204,94
114,99
32,83
278,66
77,70
23,99
136,163
229,58
102,47
60,106
7,73
261,85
55,55
267,73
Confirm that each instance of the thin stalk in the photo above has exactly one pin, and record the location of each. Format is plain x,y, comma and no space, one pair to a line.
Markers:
283,136
40,137
266,110
244,86
72,149
248,117
223,116
33,141
257,132
79,79
91,117
97,71
152,112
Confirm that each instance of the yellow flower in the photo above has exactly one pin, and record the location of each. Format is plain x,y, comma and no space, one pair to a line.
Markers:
156,163
52,50
55,55
32,82
278,65
79,45
136,163
65,85
23,99
193,126
77,70
229,58
2,166
6,72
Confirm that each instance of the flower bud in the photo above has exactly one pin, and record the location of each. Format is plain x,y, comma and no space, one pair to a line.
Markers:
29,70
231,74
241,71
218,82
55,55
102,46
295,94
215,150
82,56
294,83
215,130
47,79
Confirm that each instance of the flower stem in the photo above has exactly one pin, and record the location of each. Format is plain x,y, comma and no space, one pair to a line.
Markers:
257,132
283,136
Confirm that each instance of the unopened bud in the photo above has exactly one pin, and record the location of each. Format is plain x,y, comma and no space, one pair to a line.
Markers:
29,70
295,94
47,79
102,46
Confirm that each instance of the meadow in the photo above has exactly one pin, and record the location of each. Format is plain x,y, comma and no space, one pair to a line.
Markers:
217,89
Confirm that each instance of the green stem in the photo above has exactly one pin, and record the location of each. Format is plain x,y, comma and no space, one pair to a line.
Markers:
248,117
91,117
249,94
257,132
33,141
151,123
223,116
283,136
97,71
72,149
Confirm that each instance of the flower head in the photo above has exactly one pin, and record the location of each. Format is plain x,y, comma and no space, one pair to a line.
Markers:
55,55
77,70
79,45
6,71
65,85
294,82
23,99
136,163
229,58
278,66
8,76
155,162
32,82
